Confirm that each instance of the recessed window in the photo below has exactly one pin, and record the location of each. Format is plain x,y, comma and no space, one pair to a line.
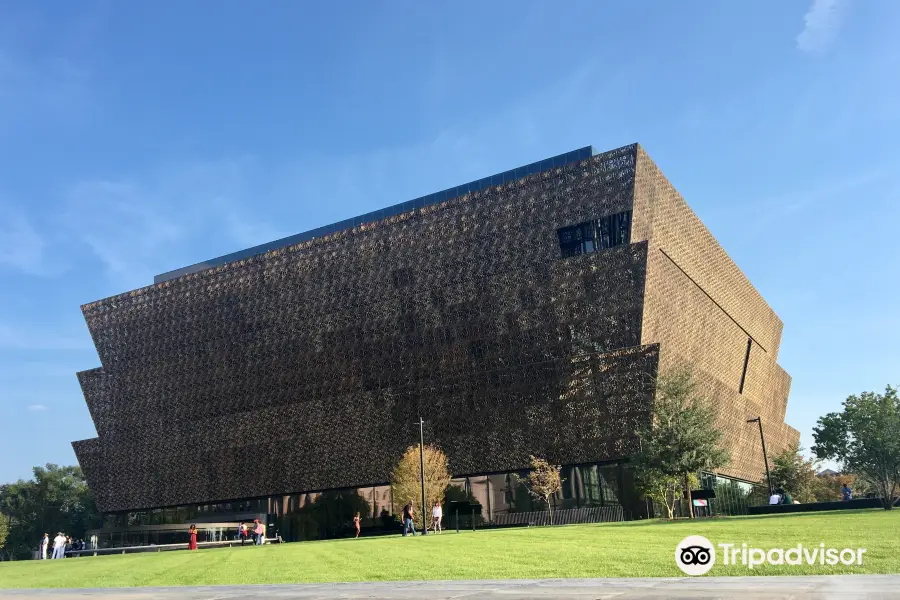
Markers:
598,234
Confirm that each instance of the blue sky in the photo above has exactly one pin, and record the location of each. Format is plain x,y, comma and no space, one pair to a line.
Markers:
140,137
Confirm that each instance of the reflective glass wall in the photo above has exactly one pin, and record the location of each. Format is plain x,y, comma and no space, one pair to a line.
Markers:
329,514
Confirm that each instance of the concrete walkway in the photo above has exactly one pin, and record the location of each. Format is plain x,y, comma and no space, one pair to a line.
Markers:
741,588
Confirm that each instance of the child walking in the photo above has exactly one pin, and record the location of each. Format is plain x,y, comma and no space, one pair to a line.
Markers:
437,514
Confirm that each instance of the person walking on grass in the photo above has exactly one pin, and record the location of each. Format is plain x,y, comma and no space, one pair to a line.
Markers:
258,532
356,520
242,532
409,514
437,513
192,545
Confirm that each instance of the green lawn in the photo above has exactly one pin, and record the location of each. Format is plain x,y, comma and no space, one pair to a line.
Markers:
637,549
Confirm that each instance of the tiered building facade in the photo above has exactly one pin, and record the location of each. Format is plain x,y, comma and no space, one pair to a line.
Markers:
526,313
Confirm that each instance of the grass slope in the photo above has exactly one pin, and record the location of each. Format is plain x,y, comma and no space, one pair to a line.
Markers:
637,549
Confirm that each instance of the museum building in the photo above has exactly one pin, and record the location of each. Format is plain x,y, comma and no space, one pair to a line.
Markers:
526,313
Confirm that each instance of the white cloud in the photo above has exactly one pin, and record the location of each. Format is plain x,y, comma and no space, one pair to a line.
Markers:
37,407
124,225
141,226
822,23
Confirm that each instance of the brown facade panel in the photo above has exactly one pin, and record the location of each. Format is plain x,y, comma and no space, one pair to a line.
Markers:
305,368
703,311
662,216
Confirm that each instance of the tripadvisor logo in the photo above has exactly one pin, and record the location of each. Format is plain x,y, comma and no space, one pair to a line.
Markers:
696,555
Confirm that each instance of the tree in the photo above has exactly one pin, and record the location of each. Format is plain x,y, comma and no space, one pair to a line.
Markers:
796,474
406,480
681,438
664,488
56,499
831,486
4,529
865,439
543,481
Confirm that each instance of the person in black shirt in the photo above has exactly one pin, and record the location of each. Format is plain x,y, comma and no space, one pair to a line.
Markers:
408,516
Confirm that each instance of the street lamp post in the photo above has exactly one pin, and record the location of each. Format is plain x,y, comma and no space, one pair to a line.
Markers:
762,438
422,472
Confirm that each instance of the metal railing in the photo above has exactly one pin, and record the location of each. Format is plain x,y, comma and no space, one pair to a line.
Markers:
568,516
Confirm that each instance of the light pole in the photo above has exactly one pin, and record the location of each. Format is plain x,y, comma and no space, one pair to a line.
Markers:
762,438
422,472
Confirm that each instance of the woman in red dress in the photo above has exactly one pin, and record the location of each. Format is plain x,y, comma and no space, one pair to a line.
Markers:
193,533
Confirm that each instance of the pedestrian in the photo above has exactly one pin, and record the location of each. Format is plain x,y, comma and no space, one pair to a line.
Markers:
356,523
45,544
258,532
437,513
192,545
408,516
59,546
242,532
775,498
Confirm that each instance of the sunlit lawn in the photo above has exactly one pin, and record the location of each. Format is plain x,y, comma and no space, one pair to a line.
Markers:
636,549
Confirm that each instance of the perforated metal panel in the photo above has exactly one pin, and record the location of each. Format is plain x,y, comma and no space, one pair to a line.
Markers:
304,368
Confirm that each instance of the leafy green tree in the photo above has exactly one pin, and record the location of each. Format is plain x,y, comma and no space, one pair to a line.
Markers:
664,488
795,474
681,438
832,486
56,499
865,439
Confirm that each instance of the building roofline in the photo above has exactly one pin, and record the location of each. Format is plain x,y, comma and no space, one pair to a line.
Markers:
384,213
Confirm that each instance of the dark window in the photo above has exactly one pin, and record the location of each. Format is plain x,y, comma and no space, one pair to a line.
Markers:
746,362
599,234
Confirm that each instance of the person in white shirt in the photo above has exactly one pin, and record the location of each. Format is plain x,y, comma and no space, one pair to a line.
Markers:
59,546
775,498
437,514
45,543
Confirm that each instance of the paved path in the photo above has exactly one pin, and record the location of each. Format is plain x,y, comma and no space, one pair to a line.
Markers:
741,588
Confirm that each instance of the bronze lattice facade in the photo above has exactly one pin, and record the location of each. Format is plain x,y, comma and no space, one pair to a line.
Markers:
525,315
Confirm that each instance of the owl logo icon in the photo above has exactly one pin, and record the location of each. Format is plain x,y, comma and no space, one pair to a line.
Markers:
695,555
